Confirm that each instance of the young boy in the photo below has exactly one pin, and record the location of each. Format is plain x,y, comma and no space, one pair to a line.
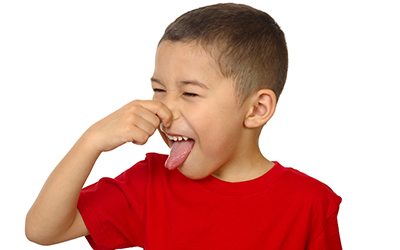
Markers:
219,71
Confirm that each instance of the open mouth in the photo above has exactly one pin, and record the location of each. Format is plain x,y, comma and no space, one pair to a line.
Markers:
180,150
176,138
173,137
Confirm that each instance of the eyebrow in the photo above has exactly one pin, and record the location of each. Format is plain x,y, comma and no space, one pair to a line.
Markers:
186,82
156,80
194,82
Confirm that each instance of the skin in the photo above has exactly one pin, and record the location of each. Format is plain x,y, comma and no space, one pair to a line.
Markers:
191,97
54,216
188,81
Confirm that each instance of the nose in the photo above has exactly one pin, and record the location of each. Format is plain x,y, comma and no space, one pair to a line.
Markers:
173,106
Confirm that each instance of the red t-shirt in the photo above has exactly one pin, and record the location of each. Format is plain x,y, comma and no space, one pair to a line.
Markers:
155,208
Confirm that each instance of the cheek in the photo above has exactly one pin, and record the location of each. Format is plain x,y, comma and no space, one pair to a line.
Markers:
215,123
216,134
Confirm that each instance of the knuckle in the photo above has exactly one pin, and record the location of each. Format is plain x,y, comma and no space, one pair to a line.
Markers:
159,104
134,108
129,122
142,138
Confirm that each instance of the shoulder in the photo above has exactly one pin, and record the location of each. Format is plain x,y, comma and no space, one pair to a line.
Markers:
156,158
134,178
309,189
150,163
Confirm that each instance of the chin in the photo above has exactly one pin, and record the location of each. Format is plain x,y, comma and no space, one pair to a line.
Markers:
194,173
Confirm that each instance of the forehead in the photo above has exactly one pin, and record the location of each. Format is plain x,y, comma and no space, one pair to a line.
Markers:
185,61
190,48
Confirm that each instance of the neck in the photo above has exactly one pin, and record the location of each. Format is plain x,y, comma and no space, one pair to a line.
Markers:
249,164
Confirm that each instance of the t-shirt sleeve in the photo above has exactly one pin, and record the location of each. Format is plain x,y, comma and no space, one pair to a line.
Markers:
113,209
328,238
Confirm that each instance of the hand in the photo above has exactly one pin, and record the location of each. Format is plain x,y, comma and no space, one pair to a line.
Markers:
135,122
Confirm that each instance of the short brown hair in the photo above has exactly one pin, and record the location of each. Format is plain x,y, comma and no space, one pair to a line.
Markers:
247,43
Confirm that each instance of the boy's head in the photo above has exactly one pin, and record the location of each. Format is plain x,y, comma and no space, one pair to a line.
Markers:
246,43
219,70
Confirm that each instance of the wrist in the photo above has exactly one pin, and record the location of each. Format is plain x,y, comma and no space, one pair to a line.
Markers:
87,144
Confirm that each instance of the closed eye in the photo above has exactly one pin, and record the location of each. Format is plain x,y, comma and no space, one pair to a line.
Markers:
190,94
158,90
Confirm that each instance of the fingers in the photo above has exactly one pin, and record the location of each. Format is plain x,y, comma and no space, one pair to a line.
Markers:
160,110
135,122
150,121
145,117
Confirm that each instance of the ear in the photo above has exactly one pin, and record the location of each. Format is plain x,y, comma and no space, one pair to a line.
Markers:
261,108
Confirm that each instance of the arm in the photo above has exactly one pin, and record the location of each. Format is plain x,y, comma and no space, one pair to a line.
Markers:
329,237
54,216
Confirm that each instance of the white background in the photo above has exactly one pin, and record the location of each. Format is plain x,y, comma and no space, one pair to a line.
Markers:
66,64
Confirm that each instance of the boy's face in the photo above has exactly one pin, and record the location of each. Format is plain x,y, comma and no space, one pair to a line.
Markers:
204,107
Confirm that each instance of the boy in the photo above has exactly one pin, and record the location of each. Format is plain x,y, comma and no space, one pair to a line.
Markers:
219,71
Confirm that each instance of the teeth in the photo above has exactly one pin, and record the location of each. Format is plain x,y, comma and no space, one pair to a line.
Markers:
173,138
177,138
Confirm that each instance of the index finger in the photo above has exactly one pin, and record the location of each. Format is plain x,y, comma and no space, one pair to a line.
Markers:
161,111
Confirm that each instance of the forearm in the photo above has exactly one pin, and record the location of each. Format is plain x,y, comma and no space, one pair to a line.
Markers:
54,216
55,208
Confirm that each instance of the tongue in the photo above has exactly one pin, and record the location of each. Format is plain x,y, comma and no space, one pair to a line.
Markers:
179,152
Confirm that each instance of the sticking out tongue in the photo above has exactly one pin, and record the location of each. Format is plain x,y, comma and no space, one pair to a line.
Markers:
179,152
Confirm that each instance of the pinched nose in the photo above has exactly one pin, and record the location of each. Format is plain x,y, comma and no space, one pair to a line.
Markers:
173,107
